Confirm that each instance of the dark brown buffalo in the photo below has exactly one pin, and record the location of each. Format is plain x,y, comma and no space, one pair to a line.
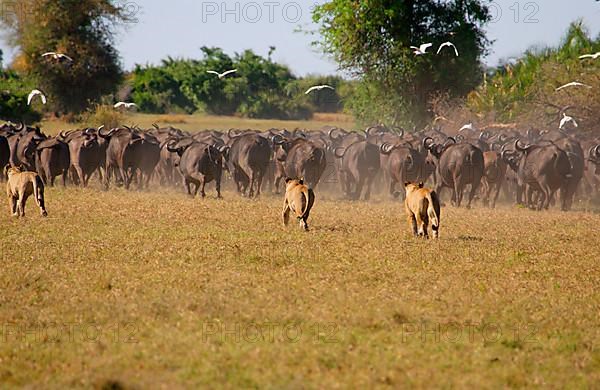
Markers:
199,163
359,164
26,145
576,157
130,152
403,164
457,165
494,174
12,135
248,157
592,170
544,169
144,157
4,154
300,158
52,160
87,151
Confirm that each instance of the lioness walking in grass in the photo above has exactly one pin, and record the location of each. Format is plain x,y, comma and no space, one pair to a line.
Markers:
422,207
299,199
20,186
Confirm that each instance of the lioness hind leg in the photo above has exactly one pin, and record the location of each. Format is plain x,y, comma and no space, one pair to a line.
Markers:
21,206
303,224
413,223
286,214
12,203
436,231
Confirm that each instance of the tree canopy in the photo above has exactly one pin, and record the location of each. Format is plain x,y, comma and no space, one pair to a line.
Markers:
81,29
371,40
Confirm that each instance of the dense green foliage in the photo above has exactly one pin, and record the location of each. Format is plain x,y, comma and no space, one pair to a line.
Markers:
13,98
525,89
372,40
260,88
82,29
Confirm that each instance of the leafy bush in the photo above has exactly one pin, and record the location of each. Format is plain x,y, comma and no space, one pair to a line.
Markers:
260,88
13,99
155,90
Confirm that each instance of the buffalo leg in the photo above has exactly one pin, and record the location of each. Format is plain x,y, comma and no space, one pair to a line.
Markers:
495,194
64,177
187,187
202,185
458,192
369,187
218,185
359,187
259,180
393,188
474,188
486,190
251,185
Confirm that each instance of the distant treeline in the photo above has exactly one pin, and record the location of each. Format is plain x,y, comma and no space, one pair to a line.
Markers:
260,88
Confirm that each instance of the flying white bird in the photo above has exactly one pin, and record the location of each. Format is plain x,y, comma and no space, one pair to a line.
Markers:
57,56
221,75
34,93
573,84
126,105
318,88
419,51
591,56
468,126
448,44
566,119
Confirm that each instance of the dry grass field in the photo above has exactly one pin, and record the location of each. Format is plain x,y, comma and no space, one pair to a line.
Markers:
198,122
153,289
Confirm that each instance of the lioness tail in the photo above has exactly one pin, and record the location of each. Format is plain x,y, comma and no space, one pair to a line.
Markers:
433,210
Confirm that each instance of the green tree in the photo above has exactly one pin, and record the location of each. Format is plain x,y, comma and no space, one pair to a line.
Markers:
82,29
371,40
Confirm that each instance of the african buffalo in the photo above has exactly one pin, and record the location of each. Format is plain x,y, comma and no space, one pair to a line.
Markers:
359,164
300,158
457,165
545,169
52,159
403,164
199,164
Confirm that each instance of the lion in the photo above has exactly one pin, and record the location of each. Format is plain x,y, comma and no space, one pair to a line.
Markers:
422,206
299,199
19,187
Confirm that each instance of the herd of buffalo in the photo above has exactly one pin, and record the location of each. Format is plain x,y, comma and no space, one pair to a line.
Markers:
532,168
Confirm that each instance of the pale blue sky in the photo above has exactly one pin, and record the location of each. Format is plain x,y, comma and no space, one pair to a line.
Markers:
180,27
